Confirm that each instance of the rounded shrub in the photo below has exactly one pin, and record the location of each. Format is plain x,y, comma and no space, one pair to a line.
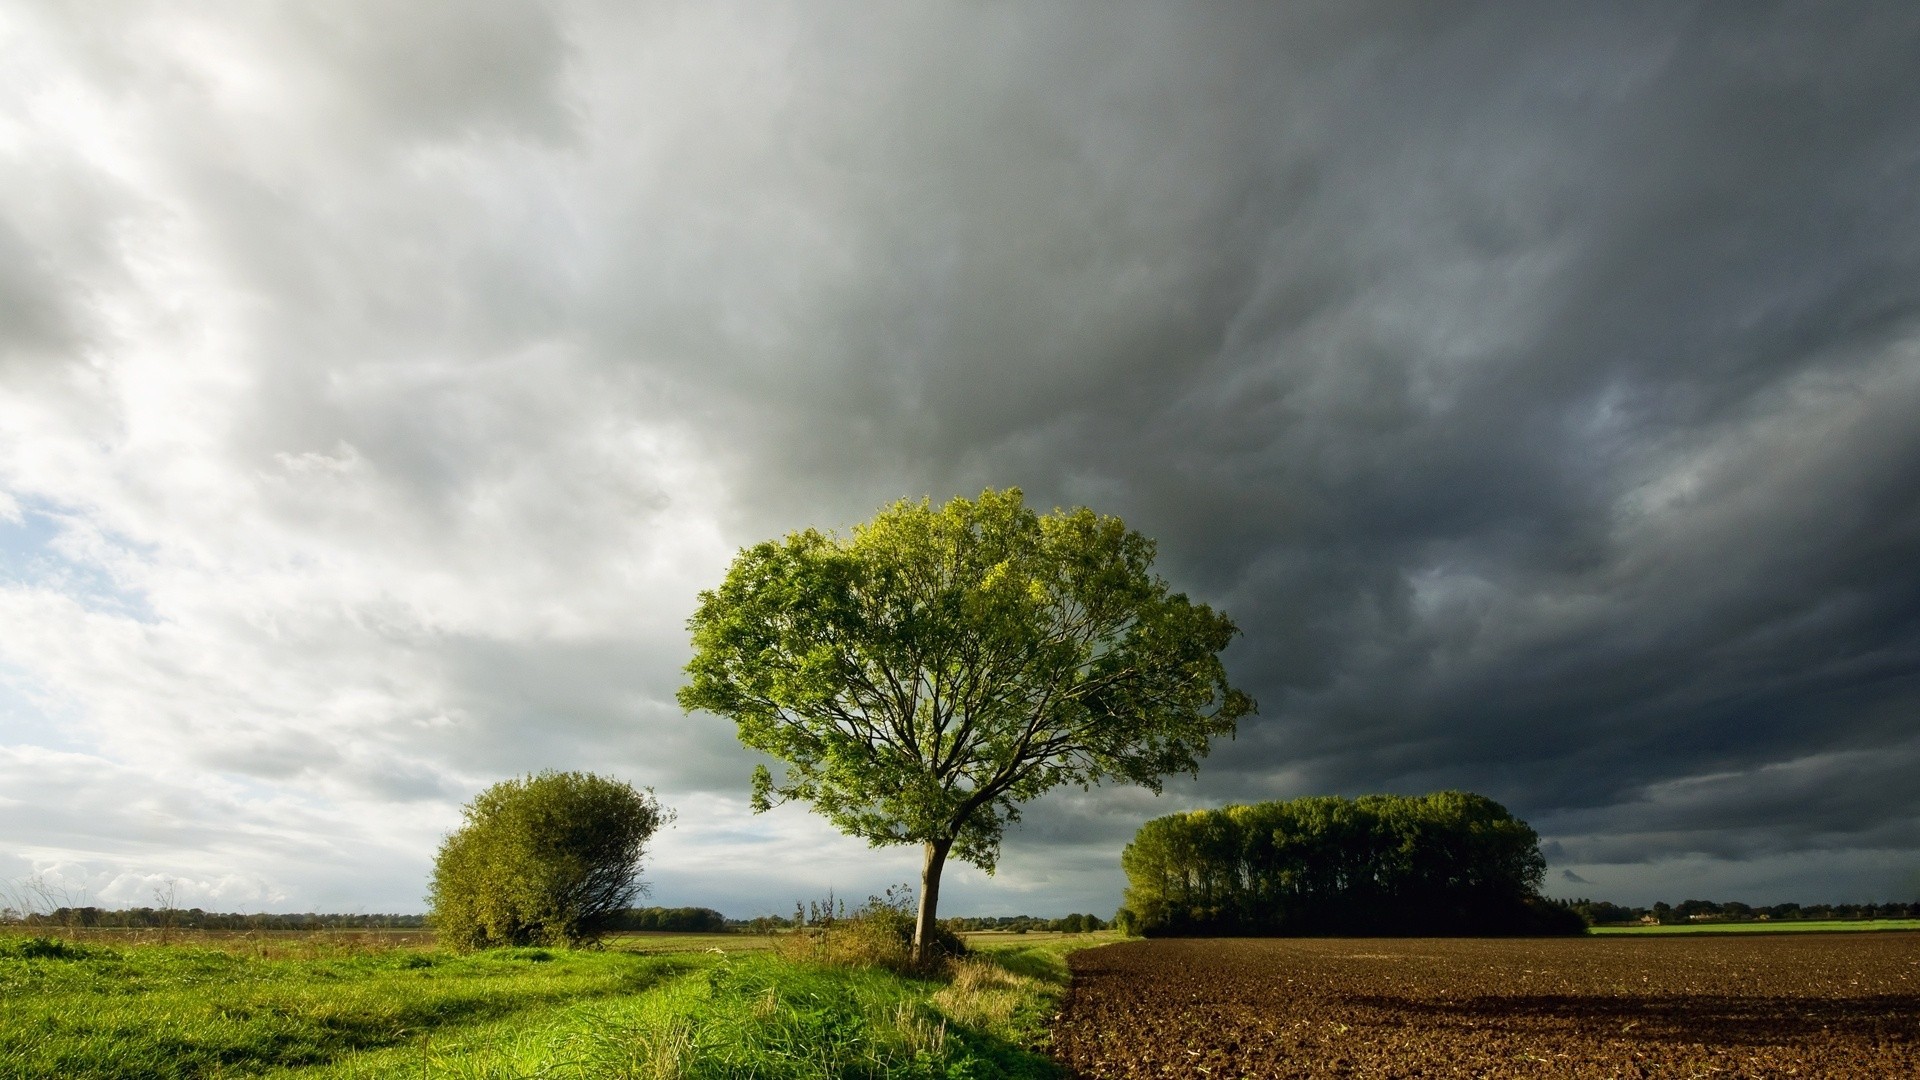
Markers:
550,859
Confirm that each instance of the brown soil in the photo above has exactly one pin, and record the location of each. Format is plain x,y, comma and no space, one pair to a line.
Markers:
1810,1005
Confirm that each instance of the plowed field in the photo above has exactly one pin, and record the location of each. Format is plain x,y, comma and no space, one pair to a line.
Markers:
1840,1005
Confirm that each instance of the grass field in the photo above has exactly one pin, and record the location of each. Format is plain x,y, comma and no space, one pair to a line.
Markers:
650,1005
1784,926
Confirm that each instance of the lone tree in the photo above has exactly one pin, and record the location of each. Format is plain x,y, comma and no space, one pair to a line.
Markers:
926,675
544,860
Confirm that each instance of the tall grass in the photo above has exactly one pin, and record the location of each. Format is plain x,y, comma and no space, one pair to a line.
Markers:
814,1006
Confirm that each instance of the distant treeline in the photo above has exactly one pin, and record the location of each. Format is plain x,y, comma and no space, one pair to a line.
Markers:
1020,924
1446,863
1602,913
143,918
697,920
692,920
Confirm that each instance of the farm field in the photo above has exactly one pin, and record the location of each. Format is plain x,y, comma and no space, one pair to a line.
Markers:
1783,926
1826,1005
336,1006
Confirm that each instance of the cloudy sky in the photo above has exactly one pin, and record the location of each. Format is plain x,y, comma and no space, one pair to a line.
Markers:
1536,385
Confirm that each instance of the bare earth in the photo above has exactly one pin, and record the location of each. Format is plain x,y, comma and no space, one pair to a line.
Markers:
1811,1005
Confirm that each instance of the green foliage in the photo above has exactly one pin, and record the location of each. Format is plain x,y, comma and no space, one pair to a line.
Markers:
1545,917
1449,862
544,860
926,675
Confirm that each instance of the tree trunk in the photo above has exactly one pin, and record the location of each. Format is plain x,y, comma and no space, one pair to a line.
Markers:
929,898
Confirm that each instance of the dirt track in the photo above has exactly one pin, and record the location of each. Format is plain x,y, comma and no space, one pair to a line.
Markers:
1810,1005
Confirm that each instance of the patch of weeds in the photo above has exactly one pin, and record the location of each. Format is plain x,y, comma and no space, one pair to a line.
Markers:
47,948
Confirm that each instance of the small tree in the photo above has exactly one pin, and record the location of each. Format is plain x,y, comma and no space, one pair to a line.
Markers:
925,676
547,859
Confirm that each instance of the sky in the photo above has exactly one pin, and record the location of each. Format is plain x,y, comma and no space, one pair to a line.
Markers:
1534,385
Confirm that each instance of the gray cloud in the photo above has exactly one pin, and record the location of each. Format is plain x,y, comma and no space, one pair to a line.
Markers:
1533,387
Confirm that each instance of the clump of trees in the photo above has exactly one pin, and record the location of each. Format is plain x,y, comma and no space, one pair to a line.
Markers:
1446,863
550,859
685,920
923,677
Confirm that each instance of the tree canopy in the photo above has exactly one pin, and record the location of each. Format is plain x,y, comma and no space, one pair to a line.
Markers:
1446,863
925,675
546,859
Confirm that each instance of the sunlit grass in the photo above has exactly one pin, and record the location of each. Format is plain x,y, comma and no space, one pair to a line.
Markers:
88,1010
181,1011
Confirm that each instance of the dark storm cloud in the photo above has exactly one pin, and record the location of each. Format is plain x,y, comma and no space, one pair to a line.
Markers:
1534,387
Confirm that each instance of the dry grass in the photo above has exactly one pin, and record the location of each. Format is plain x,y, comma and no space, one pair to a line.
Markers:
922,1034
984,994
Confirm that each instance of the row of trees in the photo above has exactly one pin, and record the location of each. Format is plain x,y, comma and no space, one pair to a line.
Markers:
1603,913
1446,863
1020,924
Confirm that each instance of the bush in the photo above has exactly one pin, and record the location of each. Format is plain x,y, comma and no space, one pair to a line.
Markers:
43,948
879,934
1550,918
545,860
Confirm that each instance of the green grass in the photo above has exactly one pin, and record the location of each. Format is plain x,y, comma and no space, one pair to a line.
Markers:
190,1011
166,1011
1781,926
668,941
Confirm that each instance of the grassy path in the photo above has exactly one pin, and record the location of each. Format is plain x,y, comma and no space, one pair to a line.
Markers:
184,1011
